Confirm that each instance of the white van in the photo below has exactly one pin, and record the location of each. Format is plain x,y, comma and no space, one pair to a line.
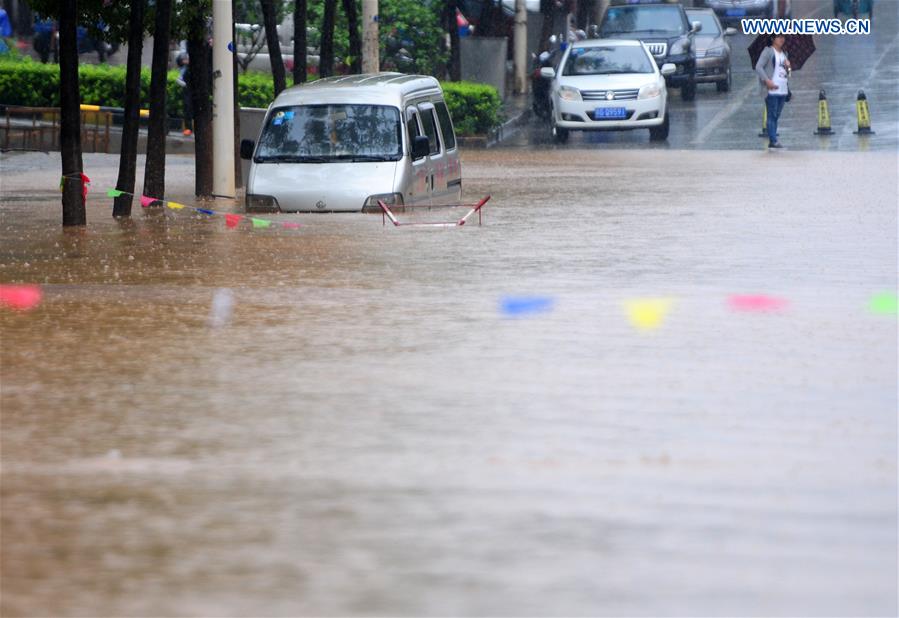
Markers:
342,143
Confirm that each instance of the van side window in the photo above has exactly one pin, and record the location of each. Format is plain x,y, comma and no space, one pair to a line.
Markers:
446,126
427,118
412,125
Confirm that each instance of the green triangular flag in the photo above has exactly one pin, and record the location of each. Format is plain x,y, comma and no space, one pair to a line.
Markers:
884,303
260,222
113,193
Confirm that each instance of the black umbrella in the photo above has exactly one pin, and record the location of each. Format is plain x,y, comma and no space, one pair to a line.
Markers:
799,48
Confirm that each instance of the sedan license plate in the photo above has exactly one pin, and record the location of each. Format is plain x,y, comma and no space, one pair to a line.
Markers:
609,113
735,12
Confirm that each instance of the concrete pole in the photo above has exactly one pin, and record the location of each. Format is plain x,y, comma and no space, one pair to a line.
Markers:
371,57
520,49
222,100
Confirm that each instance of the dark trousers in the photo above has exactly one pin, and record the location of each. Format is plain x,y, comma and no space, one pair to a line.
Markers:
775,104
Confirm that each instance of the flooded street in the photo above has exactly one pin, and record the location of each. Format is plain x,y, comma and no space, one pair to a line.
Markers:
368,432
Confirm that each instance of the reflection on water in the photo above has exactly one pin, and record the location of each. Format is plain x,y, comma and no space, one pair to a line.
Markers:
369,432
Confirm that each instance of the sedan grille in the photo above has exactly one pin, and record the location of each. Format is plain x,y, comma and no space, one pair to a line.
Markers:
601,95
658,49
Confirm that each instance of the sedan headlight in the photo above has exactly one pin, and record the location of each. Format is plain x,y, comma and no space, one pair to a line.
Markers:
649,91
716,52
567,93
681,46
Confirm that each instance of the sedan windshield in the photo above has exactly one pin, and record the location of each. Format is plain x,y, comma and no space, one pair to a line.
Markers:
326,133
708,21
642,19
608,60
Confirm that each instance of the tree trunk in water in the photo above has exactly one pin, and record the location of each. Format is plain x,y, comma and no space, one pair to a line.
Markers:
299,42
546,9
154,170
352,19
201,95
274,45
73,211
128,155
326,55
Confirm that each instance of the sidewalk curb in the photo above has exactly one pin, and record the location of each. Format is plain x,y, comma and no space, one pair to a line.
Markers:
497,135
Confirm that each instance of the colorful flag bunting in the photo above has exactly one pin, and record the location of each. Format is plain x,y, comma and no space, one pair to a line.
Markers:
290,226
114,193
147,201
756,303
175,205
205,211
232,220
647,313
522,305
20,297
260,222
884,303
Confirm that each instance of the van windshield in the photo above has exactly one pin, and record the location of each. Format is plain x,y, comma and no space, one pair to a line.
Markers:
328,133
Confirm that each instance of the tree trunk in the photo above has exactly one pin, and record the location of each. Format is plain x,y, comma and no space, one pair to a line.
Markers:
326,55
274,45
452,28
154,170
73,211
238,171
546,9
299,42
352,19
128,155
201,96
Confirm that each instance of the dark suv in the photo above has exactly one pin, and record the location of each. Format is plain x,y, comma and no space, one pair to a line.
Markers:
665,30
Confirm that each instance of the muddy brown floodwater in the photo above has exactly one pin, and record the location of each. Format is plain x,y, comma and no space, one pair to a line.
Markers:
368,433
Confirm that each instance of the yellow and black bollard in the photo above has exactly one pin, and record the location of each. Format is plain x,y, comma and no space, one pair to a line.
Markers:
823,115
863,114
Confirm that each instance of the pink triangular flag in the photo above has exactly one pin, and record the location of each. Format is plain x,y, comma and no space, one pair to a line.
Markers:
291,226
22,297
232,220
147,201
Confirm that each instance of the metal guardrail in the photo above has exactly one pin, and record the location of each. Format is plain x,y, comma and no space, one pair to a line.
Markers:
37,128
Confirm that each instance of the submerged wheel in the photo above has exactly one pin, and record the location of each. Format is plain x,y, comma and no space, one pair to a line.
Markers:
724,86
660,133
560,135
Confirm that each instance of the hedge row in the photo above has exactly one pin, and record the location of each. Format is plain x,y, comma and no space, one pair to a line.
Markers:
474,107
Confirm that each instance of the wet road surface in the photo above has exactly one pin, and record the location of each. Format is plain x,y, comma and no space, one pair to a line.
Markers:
370,435
841,66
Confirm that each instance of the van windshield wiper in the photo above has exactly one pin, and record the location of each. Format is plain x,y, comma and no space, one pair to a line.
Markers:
365,158
290,159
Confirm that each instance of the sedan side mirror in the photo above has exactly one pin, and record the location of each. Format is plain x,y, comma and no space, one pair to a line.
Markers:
547,72
246,148
730,31
668,69
697,27
420,147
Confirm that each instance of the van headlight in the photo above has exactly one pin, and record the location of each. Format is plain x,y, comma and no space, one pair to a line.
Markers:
391,199
567,93
262,203
649,91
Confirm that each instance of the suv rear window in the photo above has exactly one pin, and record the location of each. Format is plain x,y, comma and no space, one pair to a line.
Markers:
663,20
446,126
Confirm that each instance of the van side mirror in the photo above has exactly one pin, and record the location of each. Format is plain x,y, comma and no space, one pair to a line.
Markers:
730,31
668,69
246,148
696,26
547,72
420,147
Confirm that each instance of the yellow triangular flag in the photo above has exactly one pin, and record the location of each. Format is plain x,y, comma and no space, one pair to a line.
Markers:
175,205
647,313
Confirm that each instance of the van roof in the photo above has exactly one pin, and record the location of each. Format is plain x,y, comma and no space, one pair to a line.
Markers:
373,88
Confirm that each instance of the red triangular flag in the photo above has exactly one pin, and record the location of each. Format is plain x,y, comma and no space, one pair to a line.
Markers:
22,297
147,201
232,220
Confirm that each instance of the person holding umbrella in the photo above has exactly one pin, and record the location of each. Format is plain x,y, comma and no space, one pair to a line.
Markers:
773,69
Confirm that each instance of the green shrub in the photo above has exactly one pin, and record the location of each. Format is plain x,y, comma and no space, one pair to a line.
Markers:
474,107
